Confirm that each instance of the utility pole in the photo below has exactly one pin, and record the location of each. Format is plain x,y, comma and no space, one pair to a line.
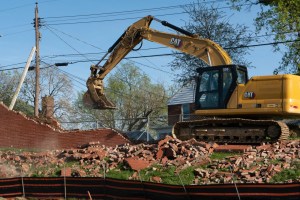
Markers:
37,61
14,99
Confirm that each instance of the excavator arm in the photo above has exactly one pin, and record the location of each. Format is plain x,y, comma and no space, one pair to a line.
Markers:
204,49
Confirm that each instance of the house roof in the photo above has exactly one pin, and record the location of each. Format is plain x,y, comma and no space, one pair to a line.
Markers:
184,95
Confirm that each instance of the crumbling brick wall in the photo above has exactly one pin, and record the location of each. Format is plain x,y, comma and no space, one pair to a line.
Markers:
18,131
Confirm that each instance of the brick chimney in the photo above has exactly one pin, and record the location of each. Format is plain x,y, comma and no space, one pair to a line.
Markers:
47,106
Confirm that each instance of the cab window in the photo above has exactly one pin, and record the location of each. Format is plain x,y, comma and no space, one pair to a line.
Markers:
242,77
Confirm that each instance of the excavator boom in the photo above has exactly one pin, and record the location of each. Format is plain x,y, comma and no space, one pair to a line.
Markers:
204,49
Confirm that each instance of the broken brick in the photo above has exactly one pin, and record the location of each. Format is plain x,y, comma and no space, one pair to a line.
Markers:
136,164
66,171
156,179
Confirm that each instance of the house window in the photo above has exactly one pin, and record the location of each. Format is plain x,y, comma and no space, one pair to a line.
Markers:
185,111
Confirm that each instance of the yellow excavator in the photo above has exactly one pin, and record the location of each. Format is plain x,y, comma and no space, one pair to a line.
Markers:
233,108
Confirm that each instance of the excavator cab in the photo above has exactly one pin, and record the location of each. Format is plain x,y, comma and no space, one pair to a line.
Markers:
215,85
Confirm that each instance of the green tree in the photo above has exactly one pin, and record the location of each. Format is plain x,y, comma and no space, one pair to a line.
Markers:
7,87
282,18
81,117
136,98
210,23
8,83
52,83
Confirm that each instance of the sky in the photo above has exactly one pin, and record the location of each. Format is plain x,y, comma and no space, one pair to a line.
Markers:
80,31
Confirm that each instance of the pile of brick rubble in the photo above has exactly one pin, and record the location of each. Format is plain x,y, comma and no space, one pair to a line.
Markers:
257,164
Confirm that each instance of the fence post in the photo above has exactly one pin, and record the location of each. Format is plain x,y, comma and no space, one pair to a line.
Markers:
236,188
148,128
65,186
104,176
143,185
23,186
183,186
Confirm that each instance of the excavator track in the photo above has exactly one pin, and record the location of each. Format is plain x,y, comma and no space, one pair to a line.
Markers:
232,130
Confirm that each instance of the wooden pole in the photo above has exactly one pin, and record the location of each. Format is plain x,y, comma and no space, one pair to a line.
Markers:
37,61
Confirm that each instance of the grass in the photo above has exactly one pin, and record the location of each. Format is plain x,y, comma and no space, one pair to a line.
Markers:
43,171
274,161
223,155
169,175
187,175
51,169
288,174
16,150
119,174
165,173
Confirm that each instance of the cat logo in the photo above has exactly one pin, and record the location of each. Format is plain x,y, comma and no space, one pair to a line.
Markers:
176,42
249,95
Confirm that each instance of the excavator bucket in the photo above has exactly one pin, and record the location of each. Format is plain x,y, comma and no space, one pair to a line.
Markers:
95,97
100,102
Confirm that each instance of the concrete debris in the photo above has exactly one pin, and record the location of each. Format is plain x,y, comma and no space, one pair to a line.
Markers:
252,164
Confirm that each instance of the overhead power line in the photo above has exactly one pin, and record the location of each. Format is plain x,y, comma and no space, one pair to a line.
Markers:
75,38
15,33
75,21
49,28
171,54
117,13
14,68
32,67
82,83
70,76
5,66
25,5
94,53
159,55
74,78
262,44
145,49
16,7
109,20
154,68
13,27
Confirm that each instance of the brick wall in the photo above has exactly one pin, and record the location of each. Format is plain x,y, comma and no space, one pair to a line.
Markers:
174,113
16,130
